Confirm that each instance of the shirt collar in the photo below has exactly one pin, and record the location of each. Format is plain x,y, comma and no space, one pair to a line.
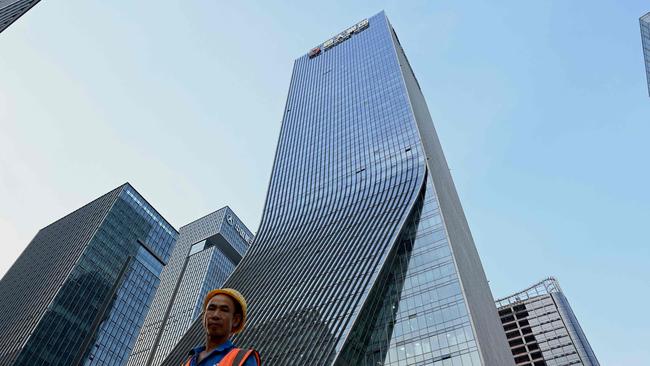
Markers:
220,348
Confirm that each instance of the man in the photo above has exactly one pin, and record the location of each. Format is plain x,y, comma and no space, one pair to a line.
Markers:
224,314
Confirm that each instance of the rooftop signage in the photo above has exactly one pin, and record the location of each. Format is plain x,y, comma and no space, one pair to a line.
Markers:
243,234
339,38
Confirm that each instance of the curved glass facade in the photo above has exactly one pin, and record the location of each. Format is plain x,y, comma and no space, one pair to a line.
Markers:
353,262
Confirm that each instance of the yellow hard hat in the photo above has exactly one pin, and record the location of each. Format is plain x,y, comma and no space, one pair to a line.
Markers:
236,296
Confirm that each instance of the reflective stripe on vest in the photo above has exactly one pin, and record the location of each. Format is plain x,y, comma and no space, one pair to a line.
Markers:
236,357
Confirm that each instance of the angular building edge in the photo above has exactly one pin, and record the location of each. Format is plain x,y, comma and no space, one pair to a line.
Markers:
551,286
644,22
491,340
9,14
81,225
45,284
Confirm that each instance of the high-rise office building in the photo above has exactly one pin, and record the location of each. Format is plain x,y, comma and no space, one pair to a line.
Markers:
11,10
206,253
363,255
79,292
542,329
645,41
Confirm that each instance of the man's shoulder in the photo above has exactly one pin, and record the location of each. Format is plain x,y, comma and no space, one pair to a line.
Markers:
251,359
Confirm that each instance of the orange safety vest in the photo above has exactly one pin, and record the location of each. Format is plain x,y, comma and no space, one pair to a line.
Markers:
236,357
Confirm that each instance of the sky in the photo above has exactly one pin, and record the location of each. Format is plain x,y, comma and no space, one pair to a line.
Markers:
542,109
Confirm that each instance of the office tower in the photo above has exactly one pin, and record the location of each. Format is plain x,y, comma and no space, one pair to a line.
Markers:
79,292
645,41
11,10
542,329
206,253
363,255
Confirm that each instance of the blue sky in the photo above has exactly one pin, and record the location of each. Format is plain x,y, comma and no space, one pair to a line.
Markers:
541,108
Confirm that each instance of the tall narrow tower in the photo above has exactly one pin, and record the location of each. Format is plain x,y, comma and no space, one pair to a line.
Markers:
363,255
644,22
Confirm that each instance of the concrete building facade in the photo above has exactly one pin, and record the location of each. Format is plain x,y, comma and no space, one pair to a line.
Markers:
541,328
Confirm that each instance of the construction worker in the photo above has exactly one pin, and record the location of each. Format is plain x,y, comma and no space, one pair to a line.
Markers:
224,314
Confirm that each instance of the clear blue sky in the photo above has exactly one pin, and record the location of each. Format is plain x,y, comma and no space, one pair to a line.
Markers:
541,107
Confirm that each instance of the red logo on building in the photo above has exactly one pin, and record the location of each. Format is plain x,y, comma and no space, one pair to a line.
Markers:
314,52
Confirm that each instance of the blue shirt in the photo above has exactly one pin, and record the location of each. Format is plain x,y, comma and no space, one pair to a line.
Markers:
216,355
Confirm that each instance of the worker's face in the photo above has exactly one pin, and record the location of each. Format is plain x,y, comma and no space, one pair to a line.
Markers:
219,318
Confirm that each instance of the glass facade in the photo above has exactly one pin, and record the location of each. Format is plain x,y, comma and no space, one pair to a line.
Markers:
11,10
645,41
207,252
422,316
363,256
101,267
542,329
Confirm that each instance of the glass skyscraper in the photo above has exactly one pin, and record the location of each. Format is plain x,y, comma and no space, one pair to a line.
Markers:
206,253
79,292
363,255
11,10
541,328
645,41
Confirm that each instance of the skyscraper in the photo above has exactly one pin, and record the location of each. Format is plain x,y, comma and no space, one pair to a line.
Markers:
542,329
80,291
363,255
11,10
645,41
206,253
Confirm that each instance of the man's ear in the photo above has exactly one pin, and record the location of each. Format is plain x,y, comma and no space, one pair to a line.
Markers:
236,320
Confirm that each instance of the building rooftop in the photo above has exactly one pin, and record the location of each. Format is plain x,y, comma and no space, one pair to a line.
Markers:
544,287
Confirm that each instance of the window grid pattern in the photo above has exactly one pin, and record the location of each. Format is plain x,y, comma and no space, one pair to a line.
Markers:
180,317
198,264
348,170
189,234
318,164
205,271
118,333
216,272
645,41
423,318
348,174
56,247
88,303
542,330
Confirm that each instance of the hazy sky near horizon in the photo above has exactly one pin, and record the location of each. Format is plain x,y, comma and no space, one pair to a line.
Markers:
541,108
